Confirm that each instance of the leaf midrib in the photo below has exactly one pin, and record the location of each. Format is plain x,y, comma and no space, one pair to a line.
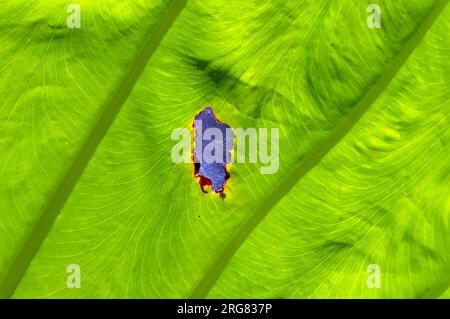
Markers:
212,275
69,180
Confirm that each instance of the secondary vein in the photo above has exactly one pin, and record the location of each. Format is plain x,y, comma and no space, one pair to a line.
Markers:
71,177
210,278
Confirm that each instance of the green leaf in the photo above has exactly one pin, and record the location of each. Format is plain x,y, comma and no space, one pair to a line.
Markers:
85,146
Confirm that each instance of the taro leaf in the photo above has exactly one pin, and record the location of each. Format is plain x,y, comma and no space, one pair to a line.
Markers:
364,146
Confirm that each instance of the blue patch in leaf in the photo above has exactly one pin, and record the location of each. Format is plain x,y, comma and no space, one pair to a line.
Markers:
213,144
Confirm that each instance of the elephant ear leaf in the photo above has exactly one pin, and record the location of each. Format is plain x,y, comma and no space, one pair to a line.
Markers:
91,197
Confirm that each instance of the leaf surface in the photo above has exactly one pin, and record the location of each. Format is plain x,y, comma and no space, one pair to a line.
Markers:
363,177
